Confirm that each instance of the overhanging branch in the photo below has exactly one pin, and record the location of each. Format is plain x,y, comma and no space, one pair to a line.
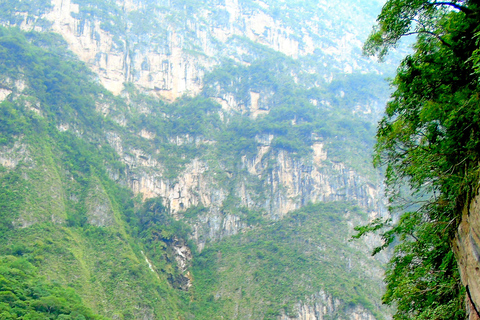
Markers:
430,33
454,5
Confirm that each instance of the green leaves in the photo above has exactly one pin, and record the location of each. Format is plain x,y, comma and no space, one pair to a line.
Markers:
406,17
422,277
26,295
429,141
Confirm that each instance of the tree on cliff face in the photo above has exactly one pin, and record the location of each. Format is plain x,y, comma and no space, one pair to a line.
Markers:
429,139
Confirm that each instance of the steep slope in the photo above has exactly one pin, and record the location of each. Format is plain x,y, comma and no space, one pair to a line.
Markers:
60,211
301,267
166,47
141,205
249,79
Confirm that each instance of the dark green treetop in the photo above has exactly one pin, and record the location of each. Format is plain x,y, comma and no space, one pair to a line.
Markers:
401,18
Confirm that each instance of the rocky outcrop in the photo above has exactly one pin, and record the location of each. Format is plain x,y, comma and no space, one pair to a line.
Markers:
287,182
191,187
183,257
323,306
11,156
215,225
293,182
467,250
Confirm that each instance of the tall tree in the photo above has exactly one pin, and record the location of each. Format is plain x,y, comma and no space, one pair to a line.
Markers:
429,140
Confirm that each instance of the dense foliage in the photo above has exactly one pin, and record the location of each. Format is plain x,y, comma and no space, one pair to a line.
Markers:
429,139
26,295
266,271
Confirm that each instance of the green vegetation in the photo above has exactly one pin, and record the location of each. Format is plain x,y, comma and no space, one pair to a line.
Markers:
264,272
429,140
26,295
34,9
60,210
292,118
157,230
68,220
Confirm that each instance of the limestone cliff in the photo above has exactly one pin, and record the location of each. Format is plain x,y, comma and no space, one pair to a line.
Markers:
323,306
288,183
251,148
166,49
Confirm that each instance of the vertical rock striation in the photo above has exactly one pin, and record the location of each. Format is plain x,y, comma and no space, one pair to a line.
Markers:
168,54
323,306
467,250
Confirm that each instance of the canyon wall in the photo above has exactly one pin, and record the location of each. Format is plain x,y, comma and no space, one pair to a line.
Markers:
143,49
165,50
168,54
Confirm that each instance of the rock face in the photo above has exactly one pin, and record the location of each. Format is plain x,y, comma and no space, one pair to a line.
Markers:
120,47
90,43
287,183
10,156
166,49
295,182
183,257
323,306
467,249
291,182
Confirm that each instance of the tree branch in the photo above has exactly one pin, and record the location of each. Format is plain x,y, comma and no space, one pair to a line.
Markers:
454,5
413,236
430,33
